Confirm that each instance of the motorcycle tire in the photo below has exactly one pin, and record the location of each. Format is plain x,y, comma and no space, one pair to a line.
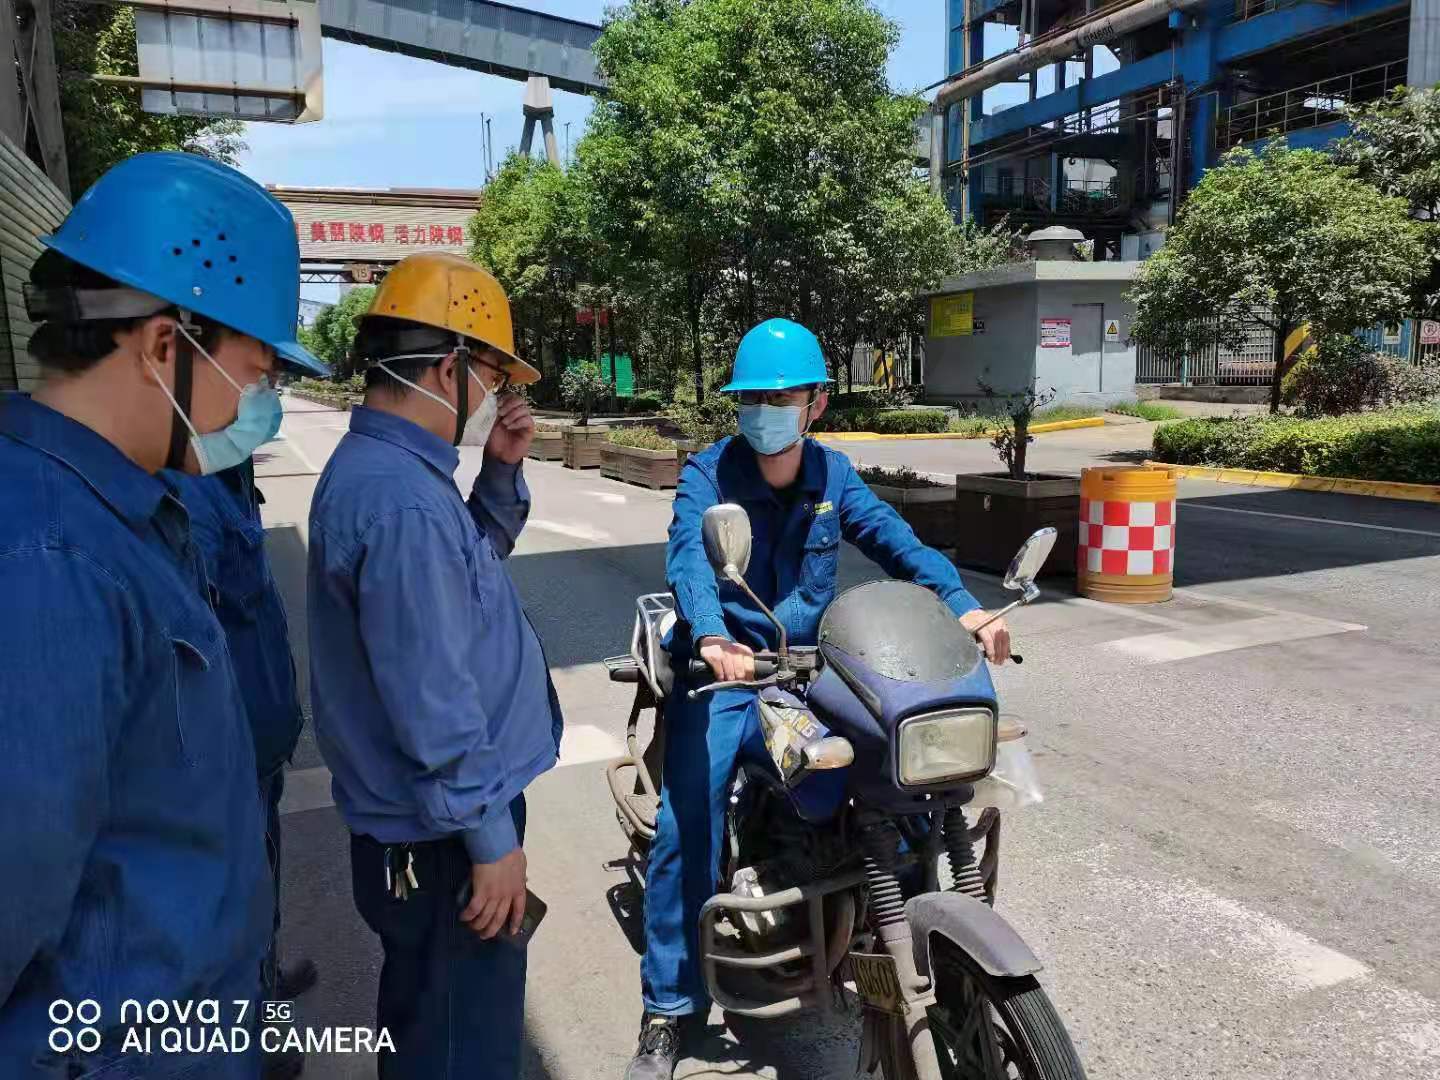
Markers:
1027,1039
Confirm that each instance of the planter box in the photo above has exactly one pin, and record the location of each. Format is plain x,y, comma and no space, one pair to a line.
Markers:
582,446
996,515
685,447
649,468
548,446
930,511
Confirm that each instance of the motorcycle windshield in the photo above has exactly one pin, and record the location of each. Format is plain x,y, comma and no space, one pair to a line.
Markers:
901,631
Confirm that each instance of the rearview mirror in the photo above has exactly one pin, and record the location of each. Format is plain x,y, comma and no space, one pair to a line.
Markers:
1029,560
726,529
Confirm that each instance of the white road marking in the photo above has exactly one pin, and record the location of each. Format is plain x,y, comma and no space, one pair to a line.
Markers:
294,444
309,789
607,497
1260,944
1191,504
574,531
584,743
1205,640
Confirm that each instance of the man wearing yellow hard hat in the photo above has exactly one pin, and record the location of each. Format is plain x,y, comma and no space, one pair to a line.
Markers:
433,703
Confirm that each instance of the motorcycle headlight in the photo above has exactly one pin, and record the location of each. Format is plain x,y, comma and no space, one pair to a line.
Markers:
955,745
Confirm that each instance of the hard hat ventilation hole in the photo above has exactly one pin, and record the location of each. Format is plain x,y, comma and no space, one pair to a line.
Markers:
221,238
232,258
239,281
175,251
195,243
207,264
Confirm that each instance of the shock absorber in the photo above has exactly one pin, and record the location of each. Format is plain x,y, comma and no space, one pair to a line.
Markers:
880,840
961,853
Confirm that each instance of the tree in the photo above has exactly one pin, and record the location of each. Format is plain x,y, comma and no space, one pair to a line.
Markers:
1395,145
105,124
1284,238
750,160
531,234
334,330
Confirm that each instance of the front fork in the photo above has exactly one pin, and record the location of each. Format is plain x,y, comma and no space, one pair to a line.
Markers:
880,839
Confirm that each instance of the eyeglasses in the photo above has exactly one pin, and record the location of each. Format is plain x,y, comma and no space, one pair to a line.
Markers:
780,398
494,378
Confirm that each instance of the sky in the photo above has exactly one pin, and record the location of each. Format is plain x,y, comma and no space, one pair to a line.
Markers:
391,121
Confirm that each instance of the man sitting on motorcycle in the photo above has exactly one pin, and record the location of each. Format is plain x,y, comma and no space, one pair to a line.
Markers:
802,498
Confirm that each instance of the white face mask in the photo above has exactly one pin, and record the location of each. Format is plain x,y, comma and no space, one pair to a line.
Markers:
482,420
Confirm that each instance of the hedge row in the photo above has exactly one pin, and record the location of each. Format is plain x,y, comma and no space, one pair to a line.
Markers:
885,421
1400,445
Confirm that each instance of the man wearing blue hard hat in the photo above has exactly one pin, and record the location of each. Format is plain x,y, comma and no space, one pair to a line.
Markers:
803,498
134,841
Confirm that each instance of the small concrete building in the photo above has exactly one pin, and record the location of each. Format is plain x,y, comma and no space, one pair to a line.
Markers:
1051,322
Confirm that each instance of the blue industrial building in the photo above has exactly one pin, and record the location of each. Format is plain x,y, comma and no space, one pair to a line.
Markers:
1100,116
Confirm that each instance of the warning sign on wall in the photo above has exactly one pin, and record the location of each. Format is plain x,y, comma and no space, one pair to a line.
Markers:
1054,333
952,316
1112,329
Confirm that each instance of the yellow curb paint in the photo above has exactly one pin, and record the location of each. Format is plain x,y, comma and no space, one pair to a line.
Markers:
1380,489
1035,429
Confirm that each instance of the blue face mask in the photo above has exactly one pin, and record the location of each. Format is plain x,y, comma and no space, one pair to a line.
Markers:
256,422
771,429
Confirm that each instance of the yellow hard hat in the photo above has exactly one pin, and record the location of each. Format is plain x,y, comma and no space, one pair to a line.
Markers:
448,292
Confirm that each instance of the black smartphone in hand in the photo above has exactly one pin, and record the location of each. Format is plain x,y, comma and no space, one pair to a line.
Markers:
535,909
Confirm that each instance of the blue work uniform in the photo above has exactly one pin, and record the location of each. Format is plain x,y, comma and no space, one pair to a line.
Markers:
133,845
434,710
793,566
226,525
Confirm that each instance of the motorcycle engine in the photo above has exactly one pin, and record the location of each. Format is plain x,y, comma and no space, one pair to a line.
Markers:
797,853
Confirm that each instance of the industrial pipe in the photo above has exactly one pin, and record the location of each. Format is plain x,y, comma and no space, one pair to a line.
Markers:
1104,27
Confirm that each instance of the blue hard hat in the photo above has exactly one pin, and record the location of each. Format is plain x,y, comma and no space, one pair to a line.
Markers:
199,235
777,355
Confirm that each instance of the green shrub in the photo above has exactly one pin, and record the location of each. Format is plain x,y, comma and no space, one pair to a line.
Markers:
972,426
1056,413
708,422
635,405
1147,410
641,438
1343,375
901,477
885,421
1398,444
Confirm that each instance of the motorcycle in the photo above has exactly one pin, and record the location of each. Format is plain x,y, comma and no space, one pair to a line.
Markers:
871,747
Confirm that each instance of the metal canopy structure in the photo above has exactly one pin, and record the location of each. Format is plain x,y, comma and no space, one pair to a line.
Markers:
498,39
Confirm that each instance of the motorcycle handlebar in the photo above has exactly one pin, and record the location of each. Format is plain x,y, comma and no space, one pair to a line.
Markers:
764,668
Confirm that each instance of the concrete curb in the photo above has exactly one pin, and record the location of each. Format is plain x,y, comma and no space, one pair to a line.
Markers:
1035,429
1380,489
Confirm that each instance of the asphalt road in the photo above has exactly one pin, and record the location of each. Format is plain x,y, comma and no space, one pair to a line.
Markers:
1236,870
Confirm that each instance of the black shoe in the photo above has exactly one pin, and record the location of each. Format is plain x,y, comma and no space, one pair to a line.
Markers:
290,984
658,1051
283,1065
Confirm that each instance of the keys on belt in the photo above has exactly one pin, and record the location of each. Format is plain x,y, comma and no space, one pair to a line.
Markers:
400,879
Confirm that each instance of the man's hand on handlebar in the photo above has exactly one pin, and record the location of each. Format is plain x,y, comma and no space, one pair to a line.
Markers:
994,639
729,660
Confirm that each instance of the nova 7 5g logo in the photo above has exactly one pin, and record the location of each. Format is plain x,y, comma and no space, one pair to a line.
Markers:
63,1014
204,1027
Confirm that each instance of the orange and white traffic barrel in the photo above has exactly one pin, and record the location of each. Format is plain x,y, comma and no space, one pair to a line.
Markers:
1126,549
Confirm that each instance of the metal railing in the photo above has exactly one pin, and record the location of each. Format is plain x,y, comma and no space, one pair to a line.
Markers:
1253,363
1308,106
1076,198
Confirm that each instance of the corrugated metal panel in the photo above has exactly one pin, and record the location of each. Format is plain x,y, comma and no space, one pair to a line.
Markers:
30,205
331,232
477,34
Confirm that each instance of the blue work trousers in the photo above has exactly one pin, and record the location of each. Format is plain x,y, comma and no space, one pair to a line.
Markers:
702,744
454,1005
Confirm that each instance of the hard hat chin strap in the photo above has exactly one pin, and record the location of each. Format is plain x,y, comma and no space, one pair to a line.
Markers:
184,378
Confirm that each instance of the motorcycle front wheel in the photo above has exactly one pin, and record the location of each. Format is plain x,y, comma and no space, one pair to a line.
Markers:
987,1028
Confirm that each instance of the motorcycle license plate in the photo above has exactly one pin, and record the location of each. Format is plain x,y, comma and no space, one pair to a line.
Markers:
877,981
